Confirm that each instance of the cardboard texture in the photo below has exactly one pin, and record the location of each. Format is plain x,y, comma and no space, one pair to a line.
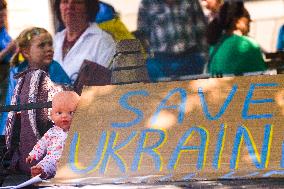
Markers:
130,76
123,61
201,129
129,63
127,45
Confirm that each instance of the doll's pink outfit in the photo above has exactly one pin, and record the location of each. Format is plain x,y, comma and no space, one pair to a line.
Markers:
50,148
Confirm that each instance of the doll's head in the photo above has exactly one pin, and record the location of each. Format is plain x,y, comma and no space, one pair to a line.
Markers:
64,105
35,44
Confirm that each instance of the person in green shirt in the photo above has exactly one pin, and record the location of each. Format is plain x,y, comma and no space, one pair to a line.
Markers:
231,51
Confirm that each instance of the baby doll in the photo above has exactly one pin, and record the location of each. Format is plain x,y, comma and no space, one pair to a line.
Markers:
50,146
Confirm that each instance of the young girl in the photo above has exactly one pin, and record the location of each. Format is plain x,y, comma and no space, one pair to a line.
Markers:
56,73
24,129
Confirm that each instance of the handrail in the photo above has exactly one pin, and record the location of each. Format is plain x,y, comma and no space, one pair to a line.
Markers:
29,106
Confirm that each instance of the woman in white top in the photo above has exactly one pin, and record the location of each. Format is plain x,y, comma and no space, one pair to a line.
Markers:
80,40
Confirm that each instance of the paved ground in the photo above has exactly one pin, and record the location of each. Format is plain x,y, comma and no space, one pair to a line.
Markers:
242,183
259,183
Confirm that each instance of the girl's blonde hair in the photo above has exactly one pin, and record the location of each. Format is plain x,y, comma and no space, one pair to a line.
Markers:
23,41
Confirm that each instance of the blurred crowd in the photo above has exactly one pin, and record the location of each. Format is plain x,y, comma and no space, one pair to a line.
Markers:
177,36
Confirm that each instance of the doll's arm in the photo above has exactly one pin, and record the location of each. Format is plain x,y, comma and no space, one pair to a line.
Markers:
36,170
54,152
39,149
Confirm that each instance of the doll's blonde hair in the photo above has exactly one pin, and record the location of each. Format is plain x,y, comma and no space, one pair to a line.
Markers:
24,41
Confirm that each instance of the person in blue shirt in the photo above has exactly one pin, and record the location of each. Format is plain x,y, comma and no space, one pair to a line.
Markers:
7,47
280,40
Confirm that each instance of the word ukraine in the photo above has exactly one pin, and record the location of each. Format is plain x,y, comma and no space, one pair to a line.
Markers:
207,145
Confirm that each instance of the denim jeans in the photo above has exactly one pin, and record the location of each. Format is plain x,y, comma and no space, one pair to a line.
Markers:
163,65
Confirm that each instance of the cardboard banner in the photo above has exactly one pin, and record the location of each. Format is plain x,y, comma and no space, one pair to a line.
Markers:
201,129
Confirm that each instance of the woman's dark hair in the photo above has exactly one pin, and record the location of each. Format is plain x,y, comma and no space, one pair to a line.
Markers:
92,7
229,13
3,5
